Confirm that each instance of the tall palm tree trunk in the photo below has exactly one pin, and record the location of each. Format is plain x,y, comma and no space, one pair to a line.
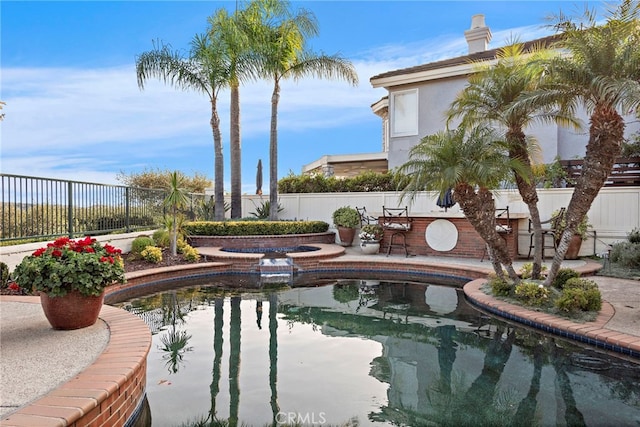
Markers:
479,208
234,135
273,154
218,163
606,134
527,189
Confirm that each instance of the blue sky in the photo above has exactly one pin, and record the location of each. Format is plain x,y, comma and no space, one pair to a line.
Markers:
74,109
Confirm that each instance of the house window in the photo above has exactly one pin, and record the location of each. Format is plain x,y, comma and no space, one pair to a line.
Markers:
404,113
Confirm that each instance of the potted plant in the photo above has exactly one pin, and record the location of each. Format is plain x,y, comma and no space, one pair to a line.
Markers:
370,236
576,240
346,219
71,276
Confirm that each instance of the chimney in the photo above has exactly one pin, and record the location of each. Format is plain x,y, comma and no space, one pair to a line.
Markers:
478,36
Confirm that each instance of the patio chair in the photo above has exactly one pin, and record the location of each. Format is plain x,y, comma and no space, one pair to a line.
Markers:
551,231
365,218
398,222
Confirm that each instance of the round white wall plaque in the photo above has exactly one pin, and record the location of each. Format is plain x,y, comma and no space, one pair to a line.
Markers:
441,235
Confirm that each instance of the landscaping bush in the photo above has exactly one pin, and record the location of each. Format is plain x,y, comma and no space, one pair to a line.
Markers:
571,300
533,294
262,210
253,228
364,182
152,254
527,269
4,275
140,243
634,236
162,238
580,295
626,254
500,287
181,244
190,253
563,275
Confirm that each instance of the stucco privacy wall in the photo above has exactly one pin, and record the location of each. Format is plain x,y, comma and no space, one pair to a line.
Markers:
614,213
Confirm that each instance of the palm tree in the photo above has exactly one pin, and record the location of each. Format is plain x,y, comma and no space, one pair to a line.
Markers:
472,162
205,71
176,199
490,98
281,53
231,30
600,71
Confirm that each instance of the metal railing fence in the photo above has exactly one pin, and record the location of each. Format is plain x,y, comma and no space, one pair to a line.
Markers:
41,208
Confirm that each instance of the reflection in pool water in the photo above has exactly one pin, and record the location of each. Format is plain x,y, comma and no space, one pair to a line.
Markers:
384,353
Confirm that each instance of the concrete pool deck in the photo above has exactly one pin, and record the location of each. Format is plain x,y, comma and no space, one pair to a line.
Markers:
82,366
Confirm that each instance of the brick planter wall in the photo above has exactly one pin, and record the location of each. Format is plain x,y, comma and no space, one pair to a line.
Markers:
251,242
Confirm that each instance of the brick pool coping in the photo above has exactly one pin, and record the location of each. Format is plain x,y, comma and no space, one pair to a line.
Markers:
111,389
106,393
593,333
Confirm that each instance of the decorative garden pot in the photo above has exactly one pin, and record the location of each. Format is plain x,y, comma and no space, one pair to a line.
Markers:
72,311
370,248
574,247
346,235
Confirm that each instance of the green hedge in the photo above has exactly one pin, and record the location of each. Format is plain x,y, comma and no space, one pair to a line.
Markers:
253,228
364,182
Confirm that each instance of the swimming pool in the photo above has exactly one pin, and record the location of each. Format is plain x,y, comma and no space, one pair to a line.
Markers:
382,352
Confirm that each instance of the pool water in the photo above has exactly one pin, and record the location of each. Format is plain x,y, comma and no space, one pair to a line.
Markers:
369,352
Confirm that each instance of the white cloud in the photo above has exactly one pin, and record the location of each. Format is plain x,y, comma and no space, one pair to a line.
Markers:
84,123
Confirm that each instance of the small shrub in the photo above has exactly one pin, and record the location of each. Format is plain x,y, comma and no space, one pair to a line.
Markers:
4,275
262,210
500,287
587,294
634,236
152,254
346,216
626,254
533,294
181,244
162,238
190,253
571,300
140,243
563,275
527,269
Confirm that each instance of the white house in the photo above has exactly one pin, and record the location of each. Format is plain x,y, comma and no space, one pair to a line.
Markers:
419,96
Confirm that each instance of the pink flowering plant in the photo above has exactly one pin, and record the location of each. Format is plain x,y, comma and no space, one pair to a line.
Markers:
67,265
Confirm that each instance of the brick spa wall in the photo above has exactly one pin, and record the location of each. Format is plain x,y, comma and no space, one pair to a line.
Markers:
262,242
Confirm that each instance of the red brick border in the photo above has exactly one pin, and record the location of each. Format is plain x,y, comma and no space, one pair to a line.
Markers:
107,392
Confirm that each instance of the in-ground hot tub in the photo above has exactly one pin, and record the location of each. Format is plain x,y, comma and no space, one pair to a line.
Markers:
285,250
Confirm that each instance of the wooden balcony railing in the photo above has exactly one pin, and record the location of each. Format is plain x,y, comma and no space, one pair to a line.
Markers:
625,172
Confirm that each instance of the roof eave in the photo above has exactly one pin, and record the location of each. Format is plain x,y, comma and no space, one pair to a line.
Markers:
422,76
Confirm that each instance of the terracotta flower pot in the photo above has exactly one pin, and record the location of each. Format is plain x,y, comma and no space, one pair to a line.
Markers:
72,311
346,235
574,247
